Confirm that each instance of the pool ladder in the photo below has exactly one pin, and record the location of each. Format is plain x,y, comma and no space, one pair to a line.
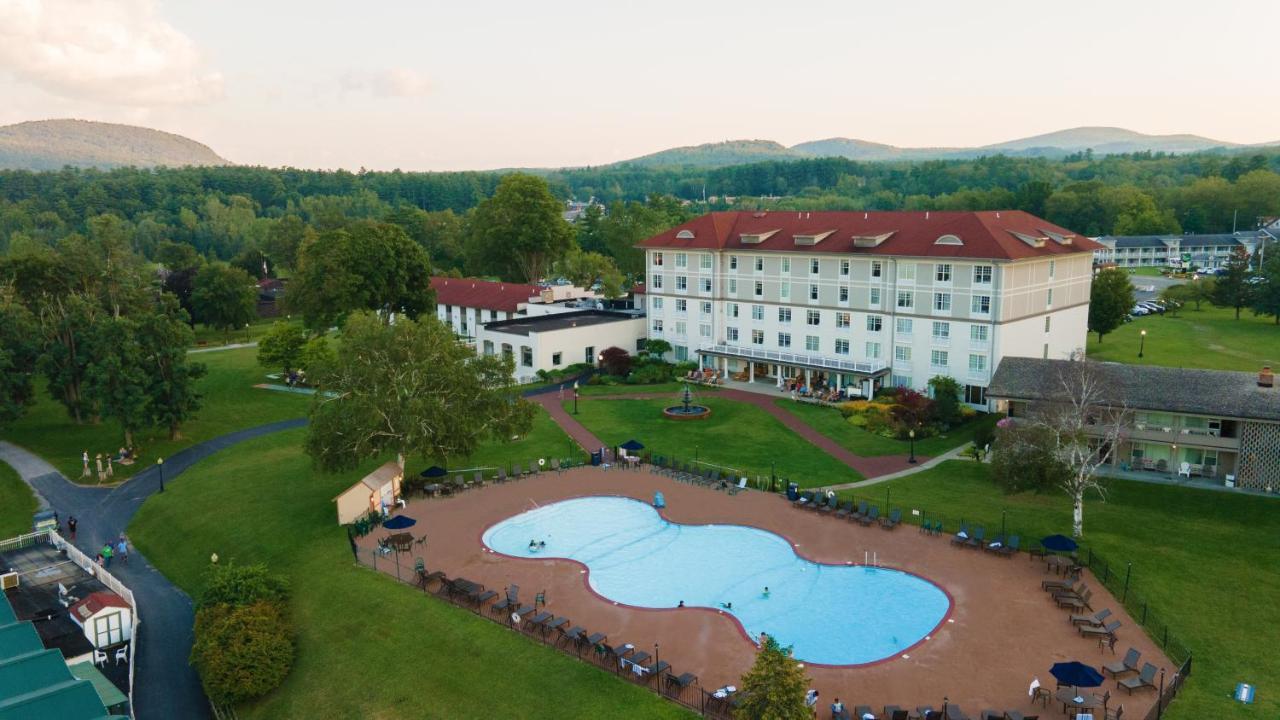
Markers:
870,558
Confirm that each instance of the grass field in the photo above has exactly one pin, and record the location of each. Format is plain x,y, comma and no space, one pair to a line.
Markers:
1205,561
368,646
230,403
213,338
828,421
16,503
1210,338
737,435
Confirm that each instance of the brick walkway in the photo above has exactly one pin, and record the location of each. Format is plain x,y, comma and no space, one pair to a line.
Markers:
869,467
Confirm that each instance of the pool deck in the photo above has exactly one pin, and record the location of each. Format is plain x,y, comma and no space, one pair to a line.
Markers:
1003,629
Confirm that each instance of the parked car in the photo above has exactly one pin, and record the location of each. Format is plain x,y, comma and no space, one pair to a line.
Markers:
1139,310
1152,306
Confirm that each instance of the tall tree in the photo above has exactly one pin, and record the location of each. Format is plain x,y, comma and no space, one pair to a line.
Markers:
281,346
284,238
116,378
1266,294
410,388
774,688
585,269
224,297
1202,291
19,351
1233,289
520,231
164,335
66,322
1110,300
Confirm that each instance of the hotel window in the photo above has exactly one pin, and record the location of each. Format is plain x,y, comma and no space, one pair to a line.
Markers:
906,299
786,265
982,274
811,343
873,351
814,317
704,284
682,283
704,261
733,286
759,288
903,326
784,340
844,294
657,282
656,303
757,337
938,358
1052,266
731,334
842,320
941,331
902,353
844,268
556,358
526,356
733,262
682,305
874,323
704,330
1049,298
681,328
813,266
682,260
977,363
759,264
876,268
981,304
875,297
757,312
784,315
978,333
813,291
657,259
942,302
732,310
942,272
488,344
907,271
902,381
1046,323
842,347
705,307
1045,354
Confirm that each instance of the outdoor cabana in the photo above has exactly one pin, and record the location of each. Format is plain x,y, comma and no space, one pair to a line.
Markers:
376,492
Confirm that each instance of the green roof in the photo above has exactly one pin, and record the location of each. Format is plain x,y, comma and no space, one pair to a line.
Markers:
6,611
70,699
109,693
22,673
18,639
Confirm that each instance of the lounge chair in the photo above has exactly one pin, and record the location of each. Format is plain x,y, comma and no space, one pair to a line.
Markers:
872,515
895,714
894,519
1097,619
830,505
571,636
962,535
844,509
555,465
516,472
1075,603
861,512
1058,585
533,468
1144,679
511,600
1009,549
978,537
953,712
1108,630
502,475
805,498
680,682
861,711
1077,591
1128,664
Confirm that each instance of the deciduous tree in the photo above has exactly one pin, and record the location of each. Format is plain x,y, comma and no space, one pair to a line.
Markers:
19,351
165,334
1233,290
224,297
281,346
520,232
1110,300
116,377
1266,294
585,269
774,688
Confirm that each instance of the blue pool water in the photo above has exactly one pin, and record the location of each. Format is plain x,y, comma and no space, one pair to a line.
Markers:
830,614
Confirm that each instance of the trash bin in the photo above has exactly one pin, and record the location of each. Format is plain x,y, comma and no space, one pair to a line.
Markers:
793,491
597,457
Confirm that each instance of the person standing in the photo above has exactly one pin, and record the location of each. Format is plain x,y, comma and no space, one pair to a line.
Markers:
107,552
85,458
71,527
99,461
122,550
110,472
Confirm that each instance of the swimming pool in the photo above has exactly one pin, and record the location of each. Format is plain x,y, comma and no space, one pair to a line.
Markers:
829,614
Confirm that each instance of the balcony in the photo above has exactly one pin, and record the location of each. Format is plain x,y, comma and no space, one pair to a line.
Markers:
812,360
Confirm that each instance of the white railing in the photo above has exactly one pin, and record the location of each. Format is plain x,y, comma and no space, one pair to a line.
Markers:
787,358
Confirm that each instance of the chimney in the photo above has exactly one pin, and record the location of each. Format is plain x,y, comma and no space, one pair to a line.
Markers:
1266,378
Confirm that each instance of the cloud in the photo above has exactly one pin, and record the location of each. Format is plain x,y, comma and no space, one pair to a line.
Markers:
397,82
110,51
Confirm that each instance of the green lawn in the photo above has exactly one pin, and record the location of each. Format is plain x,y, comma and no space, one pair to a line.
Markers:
16,504
368,646
674,389
1210,338
213,338
828,421
230,403
737,435
1205,561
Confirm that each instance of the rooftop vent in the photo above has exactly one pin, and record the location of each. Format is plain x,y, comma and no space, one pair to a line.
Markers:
948,240
756,238
870,241
684,235
812,238
1266,378
1035,242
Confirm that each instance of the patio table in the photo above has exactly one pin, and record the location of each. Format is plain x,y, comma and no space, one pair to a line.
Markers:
1068,697
433,489
402,542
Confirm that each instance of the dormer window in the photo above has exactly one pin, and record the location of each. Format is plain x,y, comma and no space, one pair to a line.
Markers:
756,238
684,235
1031,240
948,240
812,239
1058,237
870,241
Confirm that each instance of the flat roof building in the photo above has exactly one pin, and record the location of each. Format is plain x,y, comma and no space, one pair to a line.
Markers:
555,341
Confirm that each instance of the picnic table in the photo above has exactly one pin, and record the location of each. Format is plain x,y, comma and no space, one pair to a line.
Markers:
1072,698
433,489
401,542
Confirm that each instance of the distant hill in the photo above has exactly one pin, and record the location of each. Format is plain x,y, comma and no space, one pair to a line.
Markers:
53,144
1101,140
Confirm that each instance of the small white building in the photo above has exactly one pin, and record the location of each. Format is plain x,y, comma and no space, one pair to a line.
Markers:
465,304
105,617
375,492
557,340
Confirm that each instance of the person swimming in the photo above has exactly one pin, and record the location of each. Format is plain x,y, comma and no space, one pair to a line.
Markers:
681,604
726,605
765,594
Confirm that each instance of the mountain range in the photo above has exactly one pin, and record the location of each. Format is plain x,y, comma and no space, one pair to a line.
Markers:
54,144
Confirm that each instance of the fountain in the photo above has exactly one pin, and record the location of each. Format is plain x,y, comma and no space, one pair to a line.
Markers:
686,410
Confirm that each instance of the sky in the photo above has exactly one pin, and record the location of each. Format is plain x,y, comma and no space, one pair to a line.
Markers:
430,85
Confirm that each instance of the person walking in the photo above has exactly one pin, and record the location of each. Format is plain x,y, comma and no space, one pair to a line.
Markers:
122,550
107,552
84,457
71,527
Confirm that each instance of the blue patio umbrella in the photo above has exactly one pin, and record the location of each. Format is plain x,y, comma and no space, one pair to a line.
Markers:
632,445
1059,543
435,471
399,522
1076,674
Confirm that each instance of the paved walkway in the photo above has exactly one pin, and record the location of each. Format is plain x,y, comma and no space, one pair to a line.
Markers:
580,434
165,685
216,348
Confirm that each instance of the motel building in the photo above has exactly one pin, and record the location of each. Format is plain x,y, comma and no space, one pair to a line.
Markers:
860,300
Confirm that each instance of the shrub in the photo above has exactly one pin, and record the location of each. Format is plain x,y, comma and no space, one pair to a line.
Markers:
1023,459
237,585
984,435
912,411
615,361
853,407
651,374
657,348
946,400
242,652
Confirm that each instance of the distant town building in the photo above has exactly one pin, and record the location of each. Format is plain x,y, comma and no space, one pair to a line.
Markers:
860,300
1202,251
575,208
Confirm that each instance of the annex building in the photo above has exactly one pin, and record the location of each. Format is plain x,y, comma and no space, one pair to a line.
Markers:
860,300
1203,251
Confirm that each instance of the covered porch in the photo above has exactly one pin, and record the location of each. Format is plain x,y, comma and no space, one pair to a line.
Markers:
807,374
1211,465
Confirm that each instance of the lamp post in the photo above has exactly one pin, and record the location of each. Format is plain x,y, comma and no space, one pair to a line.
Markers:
1173,465
160,464
912,435
575,397
1142,342
655,655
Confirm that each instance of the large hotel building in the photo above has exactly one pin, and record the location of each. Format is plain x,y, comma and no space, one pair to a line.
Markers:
860,300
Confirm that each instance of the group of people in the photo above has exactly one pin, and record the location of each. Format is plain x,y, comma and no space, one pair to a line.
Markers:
536,545
118,549
123,456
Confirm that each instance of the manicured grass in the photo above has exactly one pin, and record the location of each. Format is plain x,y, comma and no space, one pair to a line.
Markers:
16,503
230,403
673,389
737,435
1205,562
1210,338
213,338
368,646
828,421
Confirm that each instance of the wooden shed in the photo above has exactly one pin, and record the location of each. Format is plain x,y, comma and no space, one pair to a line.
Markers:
375,491
104,617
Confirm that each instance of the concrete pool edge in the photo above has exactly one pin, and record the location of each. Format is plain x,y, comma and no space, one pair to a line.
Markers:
742,631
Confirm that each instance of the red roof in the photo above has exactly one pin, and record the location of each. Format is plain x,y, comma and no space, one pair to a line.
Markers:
994,235
637,289
483,294
96,602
